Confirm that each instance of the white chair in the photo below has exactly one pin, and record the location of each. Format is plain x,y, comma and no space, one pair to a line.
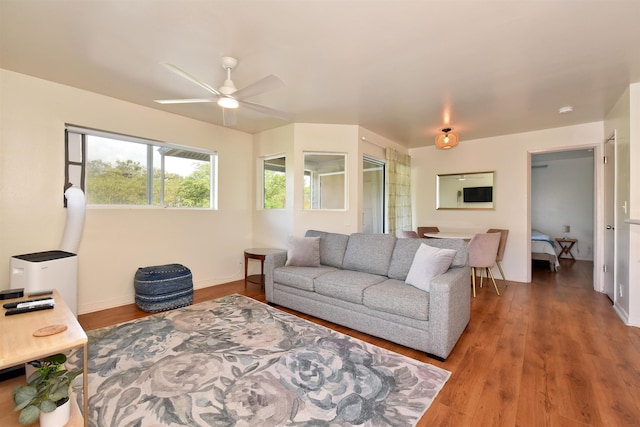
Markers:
483,250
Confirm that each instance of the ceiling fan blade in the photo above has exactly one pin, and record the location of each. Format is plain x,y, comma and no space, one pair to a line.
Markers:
284,115
263,85
179,71
229,117
184,101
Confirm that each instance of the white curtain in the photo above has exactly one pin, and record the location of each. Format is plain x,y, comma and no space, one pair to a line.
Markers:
398,191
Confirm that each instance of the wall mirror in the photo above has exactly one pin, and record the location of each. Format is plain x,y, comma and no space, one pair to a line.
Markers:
473,190
324,180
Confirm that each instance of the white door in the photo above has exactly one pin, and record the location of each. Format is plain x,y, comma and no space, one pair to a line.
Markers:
609,218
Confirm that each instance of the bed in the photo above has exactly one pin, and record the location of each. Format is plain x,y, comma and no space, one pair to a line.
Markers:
543,248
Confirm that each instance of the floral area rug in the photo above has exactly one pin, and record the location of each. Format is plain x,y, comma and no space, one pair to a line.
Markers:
235,361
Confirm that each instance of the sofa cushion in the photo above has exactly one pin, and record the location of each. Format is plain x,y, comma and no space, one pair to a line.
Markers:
299,277
303,251
346,284
369,253
428,263
407,300
405,250
332,247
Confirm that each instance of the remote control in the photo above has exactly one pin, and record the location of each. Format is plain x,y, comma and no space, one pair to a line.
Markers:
11,311
49,301
14,304
38,293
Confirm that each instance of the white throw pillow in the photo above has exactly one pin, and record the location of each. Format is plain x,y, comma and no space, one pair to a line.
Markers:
428,262
303,251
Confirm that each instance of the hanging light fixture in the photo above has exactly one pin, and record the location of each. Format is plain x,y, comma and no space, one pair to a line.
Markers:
446,139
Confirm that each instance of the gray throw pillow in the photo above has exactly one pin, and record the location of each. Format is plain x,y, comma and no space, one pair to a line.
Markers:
303,251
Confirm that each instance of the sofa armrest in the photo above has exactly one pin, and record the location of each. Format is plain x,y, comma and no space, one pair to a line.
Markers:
272,262
449,307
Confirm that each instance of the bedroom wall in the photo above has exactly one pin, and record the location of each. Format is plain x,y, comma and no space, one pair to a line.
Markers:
116,241
508,155
562,194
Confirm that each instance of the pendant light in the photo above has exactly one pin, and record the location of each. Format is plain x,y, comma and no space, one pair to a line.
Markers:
446,139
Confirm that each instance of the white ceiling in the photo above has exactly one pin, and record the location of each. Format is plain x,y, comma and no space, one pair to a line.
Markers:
402,69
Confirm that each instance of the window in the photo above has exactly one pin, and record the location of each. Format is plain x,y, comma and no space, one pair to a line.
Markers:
274,182
324,181
115,169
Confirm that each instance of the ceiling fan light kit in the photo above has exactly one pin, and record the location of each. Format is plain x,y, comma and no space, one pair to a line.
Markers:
228,102
446,139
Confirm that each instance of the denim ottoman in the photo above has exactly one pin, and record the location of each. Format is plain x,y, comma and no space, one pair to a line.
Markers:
163,287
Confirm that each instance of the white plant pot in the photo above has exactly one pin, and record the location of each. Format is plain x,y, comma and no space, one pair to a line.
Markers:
57,418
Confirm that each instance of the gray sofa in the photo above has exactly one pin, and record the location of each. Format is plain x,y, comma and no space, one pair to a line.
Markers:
360,284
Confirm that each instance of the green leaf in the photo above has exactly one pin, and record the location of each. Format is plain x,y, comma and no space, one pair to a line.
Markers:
48,406
56,359
59,392
29,415
22,396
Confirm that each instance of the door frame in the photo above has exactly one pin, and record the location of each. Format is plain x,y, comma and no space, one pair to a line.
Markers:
612,169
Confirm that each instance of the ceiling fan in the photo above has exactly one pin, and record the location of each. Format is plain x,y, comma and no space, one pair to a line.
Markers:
230,98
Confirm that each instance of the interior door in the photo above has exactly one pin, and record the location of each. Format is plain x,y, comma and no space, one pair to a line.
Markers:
609,218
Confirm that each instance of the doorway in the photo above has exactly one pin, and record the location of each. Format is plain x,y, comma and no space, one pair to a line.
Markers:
373,208
563,203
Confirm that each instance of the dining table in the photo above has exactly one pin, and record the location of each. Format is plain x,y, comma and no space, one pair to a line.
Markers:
464,235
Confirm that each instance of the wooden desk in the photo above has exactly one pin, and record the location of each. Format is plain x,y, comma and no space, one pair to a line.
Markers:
259,254
464,235
18,345
565,247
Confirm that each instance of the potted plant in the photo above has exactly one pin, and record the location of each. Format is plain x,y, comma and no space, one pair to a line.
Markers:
47,389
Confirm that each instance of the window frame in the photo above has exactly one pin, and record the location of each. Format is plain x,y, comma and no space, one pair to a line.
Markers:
315,181
265,159
151,145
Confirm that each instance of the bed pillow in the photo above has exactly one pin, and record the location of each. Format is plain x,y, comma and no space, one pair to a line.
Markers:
428,262
303,252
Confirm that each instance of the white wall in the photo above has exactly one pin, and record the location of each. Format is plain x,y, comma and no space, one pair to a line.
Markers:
634,200
624,118
273,227
115,241
562,193
509,157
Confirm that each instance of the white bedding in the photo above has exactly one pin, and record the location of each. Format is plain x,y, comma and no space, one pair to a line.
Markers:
539,246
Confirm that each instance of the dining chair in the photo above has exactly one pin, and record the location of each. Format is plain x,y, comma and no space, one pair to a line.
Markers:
503,243
483,249
408,234
422,230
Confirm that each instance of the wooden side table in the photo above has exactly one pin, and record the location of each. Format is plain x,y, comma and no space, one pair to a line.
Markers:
18,346
566,245
259,254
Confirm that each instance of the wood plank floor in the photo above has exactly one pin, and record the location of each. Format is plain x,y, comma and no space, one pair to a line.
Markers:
549,353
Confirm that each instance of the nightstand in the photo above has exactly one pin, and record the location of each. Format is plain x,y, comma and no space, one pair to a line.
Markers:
566,245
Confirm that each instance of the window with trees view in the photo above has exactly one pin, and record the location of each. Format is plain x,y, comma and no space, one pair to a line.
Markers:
123,170
274,182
